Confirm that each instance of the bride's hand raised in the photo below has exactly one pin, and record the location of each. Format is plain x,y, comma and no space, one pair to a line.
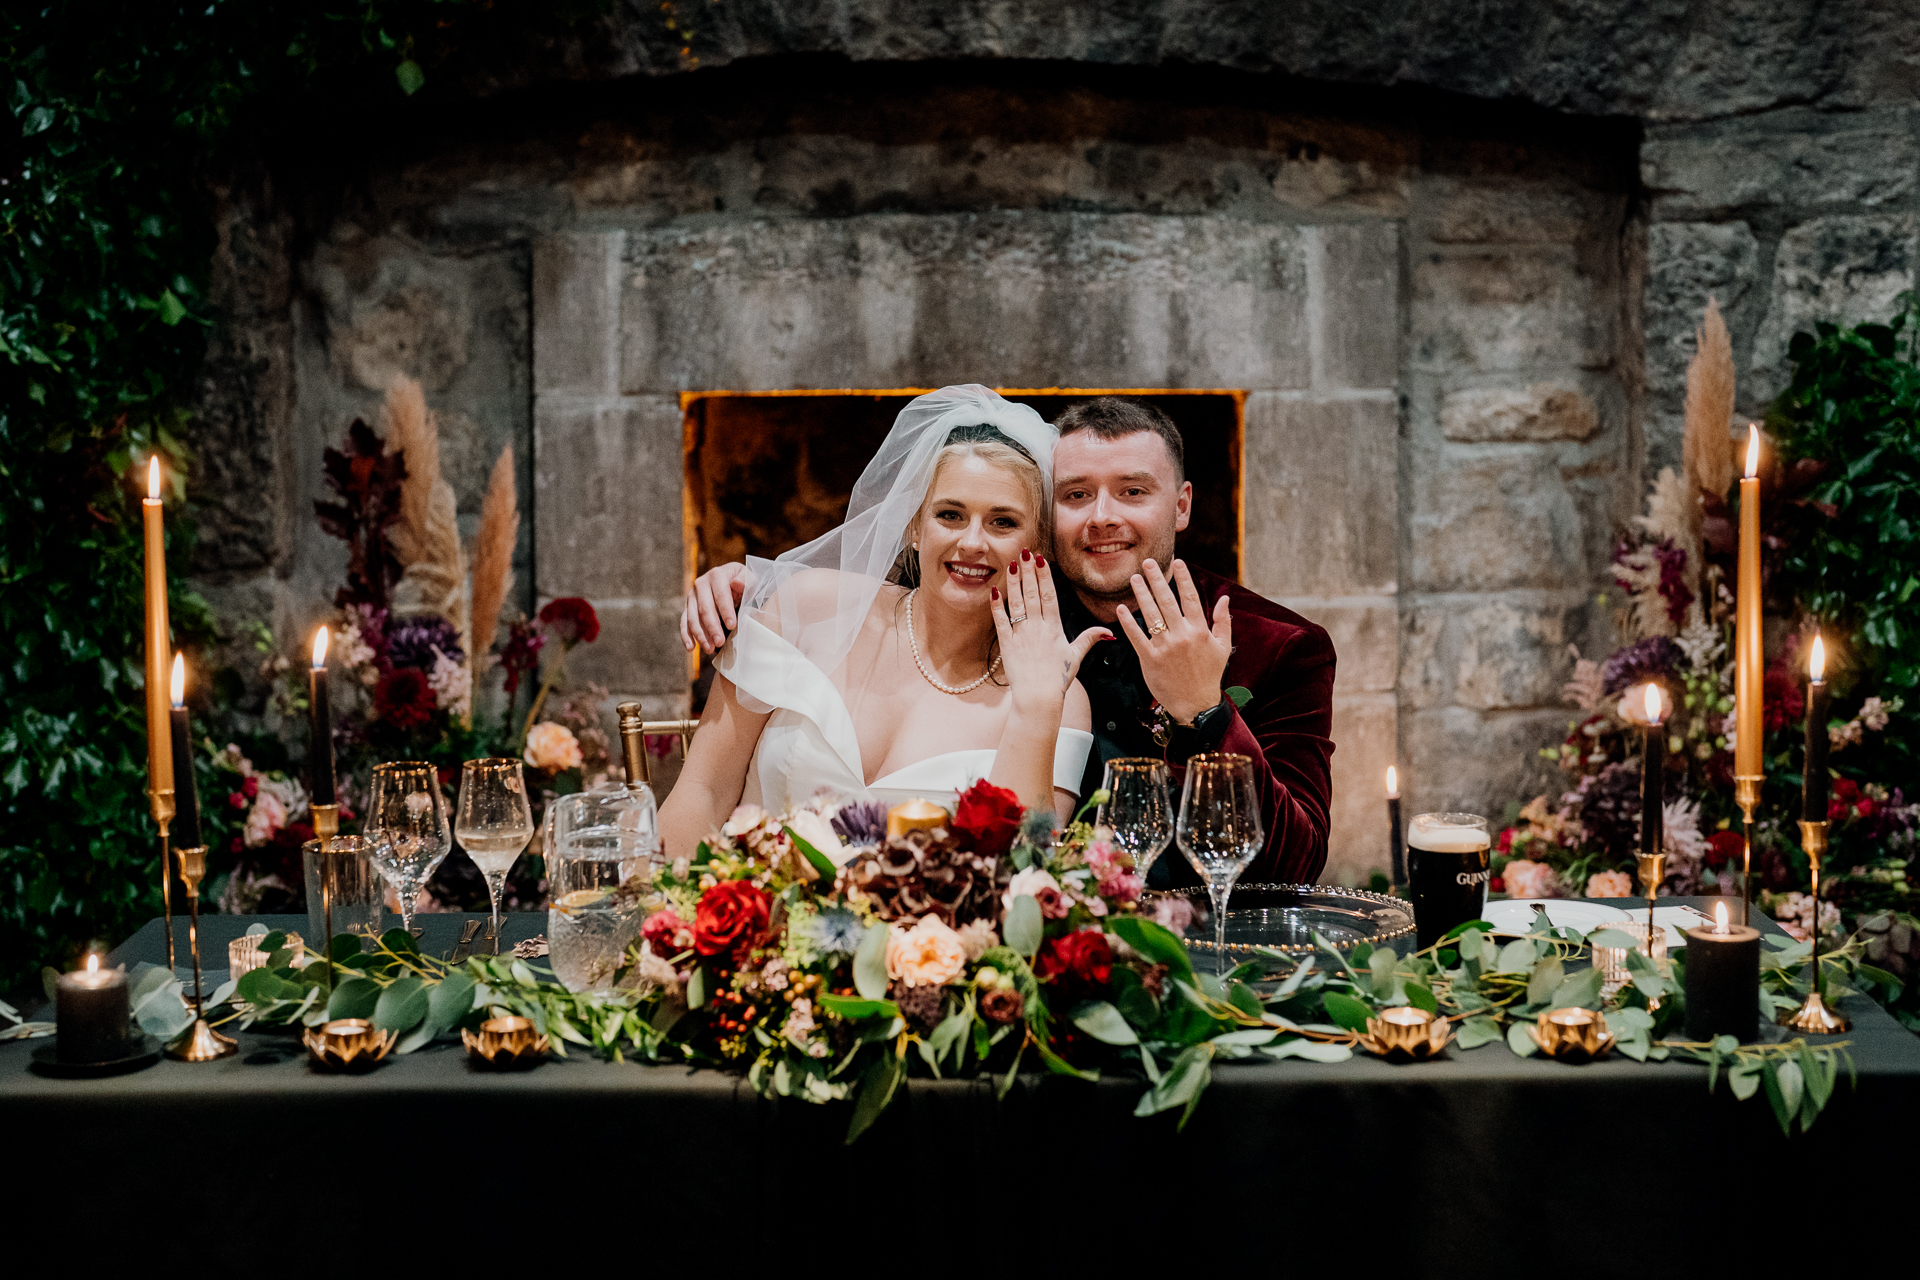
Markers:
1039,659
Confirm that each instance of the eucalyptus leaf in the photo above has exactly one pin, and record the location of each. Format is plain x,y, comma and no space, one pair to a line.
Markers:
1547,978
870,962
1345,1011
1469,944
1250,1037
221,994
1517,957
401,1006
1380,969
1181,1083
450,1000
698,987
1520,1042
161,1013
1612,938
1024,928
1311,1050
353,998
1421,997
1103,1022
1581,991
1477,1031
951,1033
1294,979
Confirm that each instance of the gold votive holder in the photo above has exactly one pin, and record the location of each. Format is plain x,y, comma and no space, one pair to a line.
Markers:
1406,1034
914,815
244,954
505,1044
1612,961
1572,1035
347,1044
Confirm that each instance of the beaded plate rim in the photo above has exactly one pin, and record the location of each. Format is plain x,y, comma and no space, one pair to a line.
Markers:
1292,948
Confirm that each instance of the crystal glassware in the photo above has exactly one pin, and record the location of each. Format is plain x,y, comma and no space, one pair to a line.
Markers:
602,847
493,823
350,878
407,818
1220,829
1138,809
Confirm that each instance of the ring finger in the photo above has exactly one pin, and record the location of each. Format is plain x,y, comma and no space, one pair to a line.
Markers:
1149,607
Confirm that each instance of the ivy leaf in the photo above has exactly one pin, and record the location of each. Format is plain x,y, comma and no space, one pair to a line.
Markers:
169,308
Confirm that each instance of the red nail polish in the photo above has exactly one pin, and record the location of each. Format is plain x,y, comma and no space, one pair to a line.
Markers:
1025,554
1013,570
996,595
1041,561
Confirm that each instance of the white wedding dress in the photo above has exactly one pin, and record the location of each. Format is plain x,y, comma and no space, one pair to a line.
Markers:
809,740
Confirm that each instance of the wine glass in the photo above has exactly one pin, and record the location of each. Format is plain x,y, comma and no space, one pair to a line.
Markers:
1220,829
494,823
1138,809
407,816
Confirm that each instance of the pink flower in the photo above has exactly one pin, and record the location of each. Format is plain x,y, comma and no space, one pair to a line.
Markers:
1530,879
268,816
1042,888
1173,913
1123,887
1610,884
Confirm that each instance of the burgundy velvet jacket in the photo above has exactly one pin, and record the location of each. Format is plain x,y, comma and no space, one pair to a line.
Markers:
1287,664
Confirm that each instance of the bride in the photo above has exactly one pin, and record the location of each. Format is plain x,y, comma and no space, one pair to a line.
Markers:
913,650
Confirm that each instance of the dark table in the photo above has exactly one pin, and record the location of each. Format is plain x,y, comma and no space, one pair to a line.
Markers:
1482,1158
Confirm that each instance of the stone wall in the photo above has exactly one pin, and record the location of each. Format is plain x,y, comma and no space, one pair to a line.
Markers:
1461,327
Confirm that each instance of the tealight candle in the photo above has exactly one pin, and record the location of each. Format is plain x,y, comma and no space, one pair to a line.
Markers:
1723,979
92,1014
914,815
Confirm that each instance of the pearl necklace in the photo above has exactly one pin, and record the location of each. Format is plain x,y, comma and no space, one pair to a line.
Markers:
913,643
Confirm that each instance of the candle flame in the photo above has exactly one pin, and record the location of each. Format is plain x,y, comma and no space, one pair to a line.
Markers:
1720,917
1653,704
93,963
320,649
1753,451
179,679
1817,663
153,478
1393,783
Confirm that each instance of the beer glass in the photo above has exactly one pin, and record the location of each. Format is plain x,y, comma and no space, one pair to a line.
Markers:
1448,867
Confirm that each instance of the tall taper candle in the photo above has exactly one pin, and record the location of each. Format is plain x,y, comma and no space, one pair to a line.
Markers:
1749,675
1396,847
159,642
320,724
1813,792
186,793
1653,767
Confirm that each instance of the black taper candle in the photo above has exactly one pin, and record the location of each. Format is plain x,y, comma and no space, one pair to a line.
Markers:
1813,792
185,831
320,729
1652,766
1723,983
1399,845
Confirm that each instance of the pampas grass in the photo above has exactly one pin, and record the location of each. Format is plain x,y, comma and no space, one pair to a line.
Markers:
426,538
1707,451
493,559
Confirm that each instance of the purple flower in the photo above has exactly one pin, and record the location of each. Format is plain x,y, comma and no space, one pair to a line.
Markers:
1643,660
411,641
862,825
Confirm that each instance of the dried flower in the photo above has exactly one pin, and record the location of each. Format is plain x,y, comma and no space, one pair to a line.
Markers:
1002,1005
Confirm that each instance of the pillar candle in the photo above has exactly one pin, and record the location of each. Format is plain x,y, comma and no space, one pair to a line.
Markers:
320,724
92,1015
1813,793
1749,675
186,797
159,639
1653,763
1396,848
1723,980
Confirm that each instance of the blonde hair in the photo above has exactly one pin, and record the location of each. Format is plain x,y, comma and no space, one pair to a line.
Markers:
995,450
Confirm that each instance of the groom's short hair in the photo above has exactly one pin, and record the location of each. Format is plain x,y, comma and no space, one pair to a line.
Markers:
1111,417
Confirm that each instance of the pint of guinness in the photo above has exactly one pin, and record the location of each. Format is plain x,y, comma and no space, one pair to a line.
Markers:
1448,868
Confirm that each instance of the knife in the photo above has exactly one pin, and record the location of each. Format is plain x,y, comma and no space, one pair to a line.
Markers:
465,947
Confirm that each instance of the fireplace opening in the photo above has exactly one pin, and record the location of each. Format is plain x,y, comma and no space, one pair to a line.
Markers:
769,470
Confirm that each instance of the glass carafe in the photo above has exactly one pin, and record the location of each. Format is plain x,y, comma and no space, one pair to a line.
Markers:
601,848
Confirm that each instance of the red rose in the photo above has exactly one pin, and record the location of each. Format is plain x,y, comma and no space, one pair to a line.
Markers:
1506,842
1785,703
1724,847
1075,962
250,787
667,934
988,818
572,620
403,698
1865,808
1496,885
729,915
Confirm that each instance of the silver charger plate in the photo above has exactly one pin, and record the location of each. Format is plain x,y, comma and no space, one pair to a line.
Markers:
1284,918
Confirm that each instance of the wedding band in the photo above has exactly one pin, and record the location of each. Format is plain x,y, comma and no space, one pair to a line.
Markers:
1156,629
1017,618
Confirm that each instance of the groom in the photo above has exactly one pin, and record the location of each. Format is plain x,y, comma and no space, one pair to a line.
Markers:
1205,664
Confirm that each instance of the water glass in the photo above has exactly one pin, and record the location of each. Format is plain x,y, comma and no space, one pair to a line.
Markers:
1220,829
602,848
348,877
407,819
1138,809
494,823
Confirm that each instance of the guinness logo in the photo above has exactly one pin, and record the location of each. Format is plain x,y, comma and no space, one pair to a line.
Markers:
1474,877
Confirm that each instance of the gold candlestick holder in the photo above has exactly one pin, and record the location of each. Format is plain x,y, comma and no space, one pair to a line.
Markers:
1813,1017
1653,869
161,803
1746,794
326,825
200,1042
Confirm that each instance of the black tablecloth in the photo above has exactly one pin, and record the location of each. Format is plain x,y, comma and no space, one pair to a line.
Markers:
1483,1158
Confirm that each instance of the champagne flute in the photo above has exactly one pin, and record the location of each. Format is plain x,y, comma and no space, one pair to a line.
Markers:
407,816
494,823
1138,809
1220,829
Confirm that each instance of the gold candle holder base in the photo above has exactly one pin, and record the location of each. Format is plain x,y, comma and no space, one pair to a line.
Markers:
505,1044
1406,1035
1746,794
1572,1035
201,1043
347,1044
1815,1019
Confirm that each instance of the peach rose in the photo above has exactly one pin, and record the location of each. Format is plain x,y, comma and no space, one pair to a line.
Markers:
928,955
553,747
1527,879
1610,884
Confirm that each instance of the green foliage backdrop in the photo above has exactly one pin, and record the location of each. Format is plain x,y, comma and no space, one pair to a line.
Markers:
119,113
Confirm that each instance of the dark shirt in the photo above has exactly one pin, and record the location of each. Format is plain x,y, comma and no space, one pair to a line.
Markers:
1286,664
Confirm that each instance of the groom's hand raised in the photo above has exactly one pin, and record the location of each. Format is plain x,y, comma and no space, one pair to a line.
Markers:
1182,657
1039,659
710,613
